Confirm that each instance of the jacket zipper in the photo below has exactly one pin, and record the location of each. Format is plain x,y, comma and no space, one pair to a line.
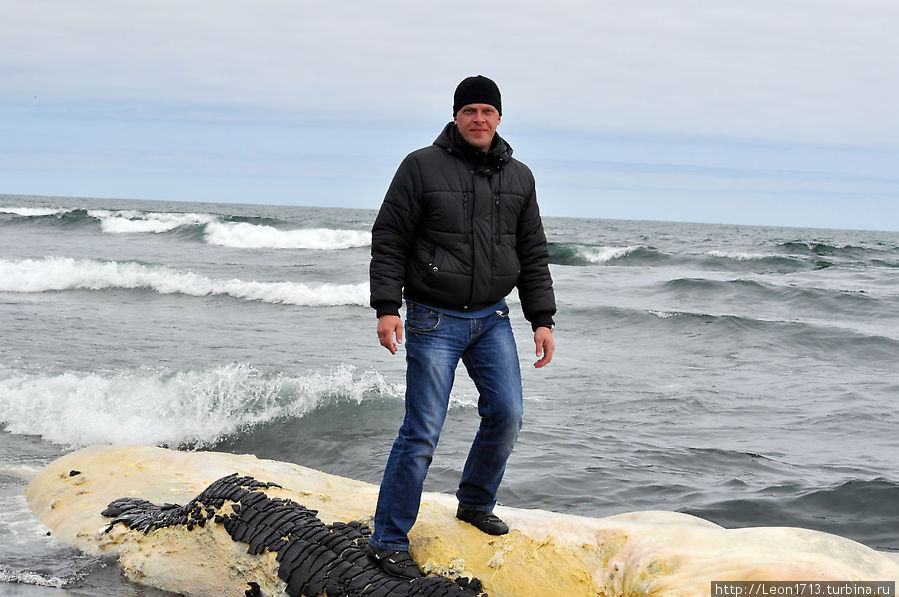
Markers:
470,224
496,218
466,218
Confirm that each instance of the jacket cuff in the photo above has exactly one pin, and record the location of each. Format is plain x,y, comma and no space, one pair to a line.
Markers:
542,320
386,309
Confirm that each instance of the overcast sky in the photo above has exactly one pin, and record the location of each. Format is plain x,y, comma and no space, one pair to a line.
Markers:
750,111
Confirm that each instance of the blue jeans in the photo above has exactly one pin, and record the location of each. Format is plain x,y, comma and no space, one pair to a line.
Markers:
434,344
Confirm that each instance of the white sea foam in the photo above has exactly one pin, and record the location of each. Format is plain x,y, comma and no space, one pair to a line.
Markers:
738,256
606,254
241,235
25,577
65,273
131,221
32,211
173,408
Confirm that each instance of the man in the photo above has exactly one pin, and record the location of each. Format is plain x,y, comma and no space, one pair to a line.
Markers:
458,230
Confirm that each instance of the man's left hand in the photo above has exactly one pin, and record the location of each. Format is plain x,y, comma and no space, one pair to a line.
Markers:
543,338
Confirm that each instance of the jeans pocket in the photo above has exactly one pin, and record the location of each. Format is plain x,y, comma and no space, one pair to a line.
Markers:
421,319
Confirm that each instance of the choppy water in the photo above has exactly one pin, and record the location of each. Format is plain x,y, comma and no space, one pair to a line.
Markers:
746,375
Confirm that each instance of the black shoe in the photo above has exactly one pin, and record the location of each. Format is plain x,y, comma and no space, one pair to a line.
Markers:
395,562
485,521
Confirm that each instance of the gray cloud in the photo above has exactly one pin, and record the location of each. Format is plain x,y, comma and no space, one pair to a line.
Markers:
817,70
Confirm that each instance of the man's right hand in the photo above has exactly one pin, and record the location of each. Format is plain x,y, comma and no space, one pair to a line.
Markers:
390,326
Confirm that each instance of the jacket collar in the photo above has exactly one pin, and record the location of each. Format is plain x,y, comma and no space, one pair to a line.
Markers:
496,157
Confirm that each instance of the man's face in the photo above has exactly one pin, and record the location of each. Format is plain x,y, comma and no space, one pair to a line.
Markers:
477,123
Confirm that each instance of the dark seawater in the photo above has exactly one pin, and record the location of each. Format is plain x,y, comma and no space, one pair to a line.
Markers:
747,375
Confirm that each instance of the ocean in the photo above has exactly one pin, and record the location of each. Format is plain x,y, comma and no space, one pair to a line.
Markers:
746,375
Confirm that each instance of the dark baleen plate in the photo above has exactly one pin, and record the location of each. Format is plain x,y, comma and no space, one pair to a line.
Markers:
314,559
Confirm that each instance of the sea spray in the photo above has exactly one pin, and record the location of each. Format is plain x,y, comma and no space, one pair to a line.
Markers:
587,254
193,408
606,254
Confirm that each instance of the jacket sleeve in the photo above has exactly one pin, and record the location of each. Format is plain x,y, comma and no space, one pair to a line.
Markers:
535,284
392,237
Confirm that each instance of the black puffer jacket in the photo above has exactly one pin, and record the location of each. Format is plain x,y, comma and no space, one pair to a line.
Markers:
459,228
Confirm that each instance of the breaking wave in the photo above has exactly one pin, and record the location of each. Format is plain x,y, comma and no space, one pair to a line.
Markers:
65,273
193,408
32,212
578,254
224,231
133,222
243,235
783,258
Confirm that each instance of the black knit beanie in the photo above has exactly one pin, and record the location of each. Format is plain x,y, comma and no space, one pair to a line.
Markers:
477,90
